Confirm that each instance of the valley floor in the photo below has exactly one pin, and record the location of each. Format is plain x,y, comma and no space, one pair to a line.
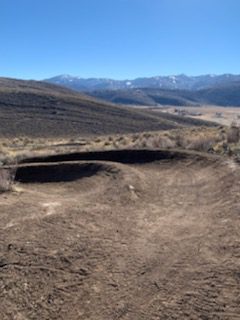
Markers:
222,115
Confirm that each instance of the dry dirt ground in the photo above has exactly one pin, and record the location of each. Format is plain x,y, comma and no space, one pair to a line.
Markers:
104,240
221,115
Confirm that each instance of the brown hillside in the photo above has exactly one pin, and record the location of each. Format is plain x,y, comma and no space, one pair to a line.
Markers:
31,108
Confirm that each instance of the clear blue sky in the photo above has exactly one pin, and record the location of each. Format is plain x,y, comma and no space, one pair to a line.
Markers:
118,38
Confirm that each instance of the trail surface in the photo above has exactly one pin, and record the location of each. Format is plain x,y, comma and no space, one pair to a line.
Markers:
103,240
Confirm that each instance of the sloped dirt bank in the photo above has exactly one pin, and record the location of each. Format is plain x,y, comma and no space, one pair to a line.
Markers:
98,239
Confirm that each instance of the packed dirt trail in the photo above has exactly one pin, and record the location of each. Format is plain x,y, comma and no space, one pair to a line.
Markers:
103,240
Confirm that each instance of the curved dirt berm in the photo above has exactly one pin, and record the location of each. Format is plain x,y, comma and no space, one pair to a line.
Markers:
113,237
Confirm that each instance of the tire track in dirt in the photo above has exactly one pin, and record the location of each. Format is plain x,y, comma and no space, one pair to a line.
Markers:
150,240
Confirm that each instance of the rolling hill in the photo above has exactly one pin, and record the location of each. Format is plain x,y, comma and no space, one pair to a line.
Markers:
146,97
223,90
227,95
32,108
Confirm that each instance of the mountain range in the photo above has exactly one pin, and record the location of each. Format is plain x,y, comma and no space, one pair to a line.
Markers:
179,90
175,82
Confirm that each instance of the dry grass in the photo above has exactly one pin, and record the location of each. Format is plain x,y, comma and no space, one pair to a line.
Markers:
6,179
221,140
221,115
233,135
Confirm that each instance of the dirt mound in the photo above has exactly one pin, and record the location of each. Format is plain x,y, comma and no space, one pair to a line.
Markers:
153,237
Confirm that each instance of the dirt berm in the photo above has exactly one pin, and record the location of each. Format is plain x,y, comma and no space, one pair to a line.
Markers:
132,235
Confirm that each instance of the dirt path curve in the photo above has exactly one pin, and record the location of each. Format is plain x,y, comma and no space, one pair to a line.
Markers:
155,240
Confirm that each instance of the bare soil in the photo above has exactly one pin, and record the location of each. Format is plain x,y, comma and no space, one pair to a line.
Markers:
100,239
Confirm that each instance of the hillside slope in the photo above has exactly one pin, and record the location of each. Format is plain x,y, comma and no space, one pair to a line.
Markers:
31,108
227,95
146,96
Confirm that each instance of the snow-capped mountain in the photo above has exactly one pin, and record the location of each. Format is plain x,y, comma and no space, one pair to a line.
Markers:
172,82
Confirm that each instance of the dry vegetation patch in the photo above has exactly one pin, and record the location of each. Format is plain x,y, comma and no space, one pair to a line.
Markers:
6,179
221,140
233,135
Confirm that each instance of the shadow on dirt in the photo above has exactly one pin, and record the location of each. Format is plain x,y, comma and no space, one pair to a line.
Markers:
65,167
121,156
63,172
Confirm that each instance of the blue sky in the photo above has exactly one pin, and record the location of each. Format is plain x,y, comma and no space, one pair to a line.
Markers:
118,38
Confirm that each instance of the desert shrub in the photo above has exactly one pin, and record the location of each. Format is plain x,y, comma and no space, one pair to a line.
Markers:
135,137
163,142
141,143
107,143
119,139
26,141
98,140
6,179
147,135
233,135
124,142
202,143
115,145
222,135
144,143
3,154
181,140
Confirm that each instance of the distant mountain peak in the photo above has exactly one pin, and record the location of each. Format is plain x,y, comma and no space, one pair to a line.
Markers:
171,82
65,77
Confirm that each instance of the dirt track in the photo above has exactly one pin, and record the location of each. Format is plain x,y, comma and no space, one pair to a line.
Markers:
103,240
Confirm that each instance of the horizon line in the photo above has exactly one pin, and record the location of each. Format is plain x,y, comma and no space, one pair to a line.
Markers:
122,79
